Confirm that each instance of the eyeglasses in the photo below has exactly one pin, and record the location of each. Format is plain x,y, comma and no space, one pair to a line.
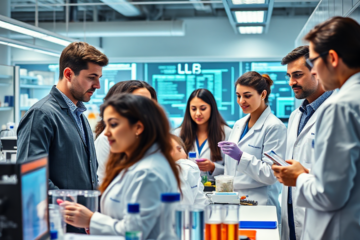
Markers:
310,61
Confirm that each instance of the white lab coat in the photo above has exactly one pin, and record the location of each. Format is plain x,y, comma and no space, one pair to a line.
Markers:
206,153
102,148
143,183
191,185
299,149
253,176
331,193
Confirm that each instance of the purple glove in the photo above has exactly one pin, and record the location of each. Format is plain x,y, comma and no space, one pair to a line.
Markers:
231,149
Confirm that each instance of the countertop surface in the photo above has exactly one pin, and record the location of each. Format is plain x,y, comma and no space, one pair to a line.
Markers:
247,213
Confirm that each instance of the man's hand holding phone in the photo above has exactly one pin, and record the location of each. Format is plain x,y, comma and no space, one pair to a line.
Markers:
288,175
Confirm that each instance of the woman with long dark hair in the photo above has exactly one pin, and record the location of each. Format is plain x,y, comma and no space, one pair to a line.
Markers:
139,169
102,146
202,128
258,132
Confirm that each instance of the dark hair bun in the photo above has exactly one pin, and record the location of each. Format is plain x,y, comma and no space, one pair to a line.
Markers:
268,79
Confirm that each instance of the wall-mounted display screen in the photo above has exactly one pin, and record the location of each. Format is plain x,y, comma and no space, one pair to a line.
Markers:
174,83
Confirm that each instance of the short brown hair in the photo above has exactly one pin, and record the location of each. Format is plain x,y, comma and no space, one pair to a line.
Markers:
77,55
302,51
179,141
257,81
341,34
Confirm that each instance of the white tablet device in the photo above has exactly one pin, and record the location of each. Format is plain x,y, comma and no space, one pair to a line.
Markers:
275,158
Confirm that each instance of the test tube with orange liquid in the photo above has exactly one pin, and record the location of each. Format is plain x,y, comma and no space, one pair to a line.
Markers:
231,223
213,222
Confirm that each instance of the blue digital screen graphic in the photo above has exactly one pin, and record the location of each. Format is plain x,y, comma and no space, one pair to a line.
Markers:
281,99
174,82
34,204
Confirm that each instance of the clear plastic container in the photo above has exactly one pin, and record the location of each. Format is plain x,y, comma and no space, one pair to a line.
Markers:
133,230
192,156
56,220
167,218
224,183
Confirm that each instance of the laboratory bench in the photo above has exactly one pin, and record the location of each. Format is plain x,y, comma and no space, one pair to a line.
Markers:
247,213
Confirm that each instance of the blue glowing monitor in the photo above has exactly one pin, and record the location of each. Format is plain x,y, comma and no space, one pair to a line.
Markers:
34,187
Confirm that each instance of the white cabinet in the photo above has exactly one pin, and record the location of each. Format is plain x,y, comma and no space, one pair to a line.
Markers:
7,95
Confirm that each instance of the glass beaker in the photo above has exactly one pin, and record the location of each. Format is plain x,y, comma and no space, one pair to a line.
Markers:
196,223
224,183
90,199
59,196
181,221
213,221
231,223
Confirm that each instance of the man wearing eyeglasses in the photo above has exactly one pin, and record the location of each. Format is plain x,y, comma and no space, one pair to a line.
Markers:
301,130
331,192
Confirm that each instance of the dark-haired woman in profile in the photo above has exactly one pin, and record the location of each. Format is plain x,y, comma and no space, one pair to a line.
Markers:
258,132
139,169
202,128
102,146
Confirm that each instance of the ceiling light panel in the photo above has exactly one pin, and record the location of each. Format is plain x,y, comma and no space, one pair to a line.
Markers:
249,16
32,31
236,2
251,30
26,46
22,30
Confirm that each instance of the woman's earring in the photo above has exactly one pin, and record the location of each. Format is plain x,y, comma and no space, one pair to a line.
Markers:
137,136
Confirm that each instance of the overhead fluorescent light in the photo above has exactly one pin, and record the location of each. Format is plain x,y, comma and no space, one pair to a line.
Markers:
251,29
236,2
249,16
32,31
26,46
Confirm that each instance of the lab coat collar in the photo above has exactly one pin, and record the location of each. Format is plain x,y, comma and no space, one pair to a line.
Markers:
354,79
260,122
57,95
258,125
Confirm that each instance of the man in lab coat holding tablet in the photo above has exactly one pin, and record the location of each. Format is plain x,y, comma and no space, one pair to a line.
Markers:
301,130
331,192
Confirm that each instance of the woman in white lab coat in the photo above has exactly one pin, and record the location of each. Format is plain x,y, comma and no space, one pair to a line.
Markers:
202,128
102,146
192,188
139,169
258,132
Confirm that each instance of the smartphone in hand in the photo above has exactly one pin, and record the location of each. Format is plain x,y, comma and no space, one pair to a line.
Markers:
276,159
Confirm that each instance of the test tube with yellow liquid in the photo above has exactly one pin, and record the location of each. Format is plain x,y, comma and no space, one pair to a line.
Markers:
213,222
231,223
